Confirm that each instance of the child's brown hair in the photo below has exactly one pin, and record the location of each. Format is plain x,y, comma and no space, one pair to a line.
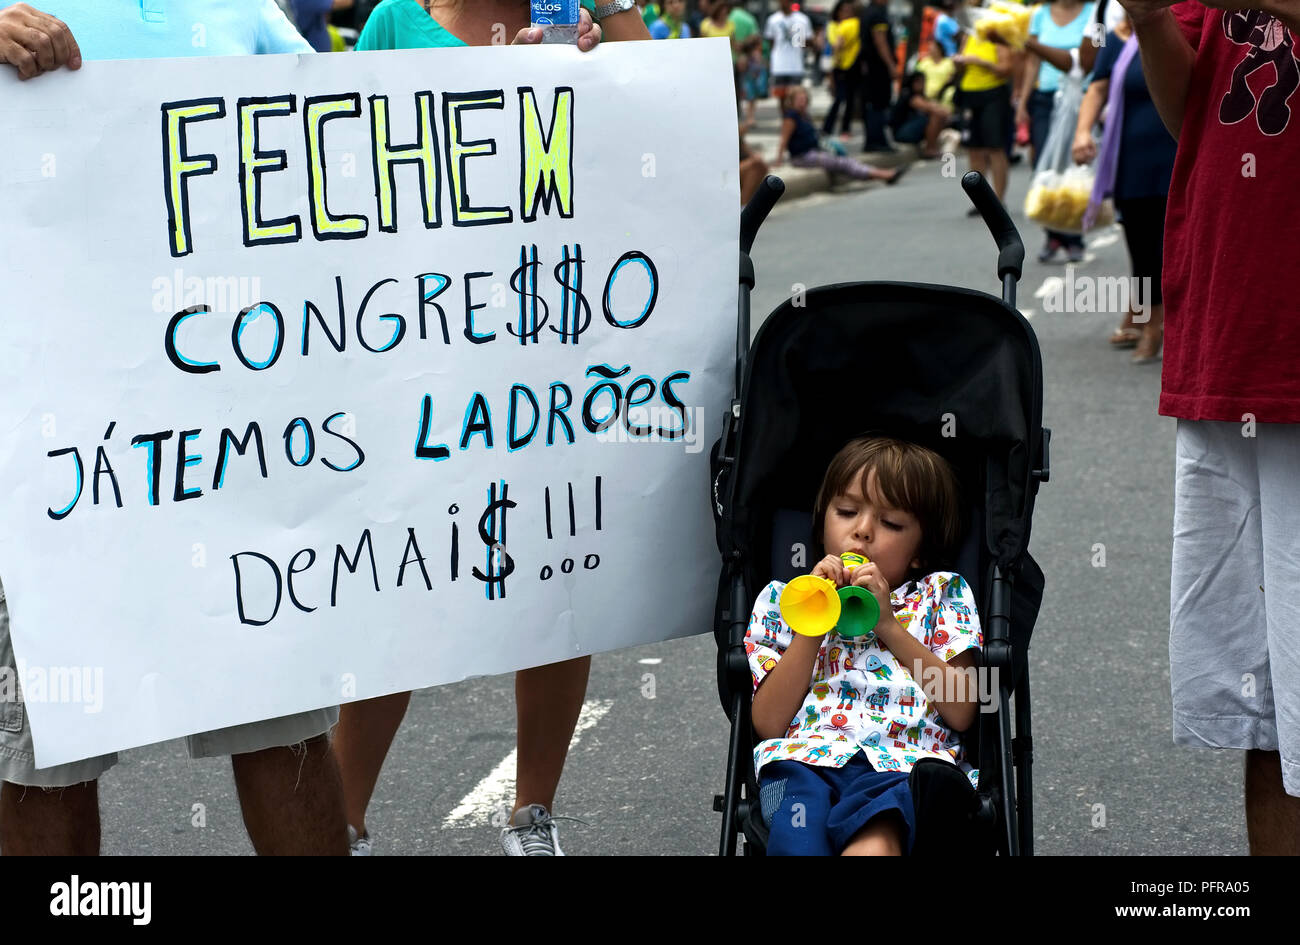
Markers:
911,478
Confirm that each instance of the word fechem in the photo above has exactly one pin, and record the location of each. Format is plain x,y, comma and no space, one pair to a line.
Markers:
545,171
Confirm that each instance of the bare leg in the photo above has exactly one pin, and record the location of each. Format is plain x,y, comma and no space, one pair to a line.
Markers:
882,836
843,165
1272,815
752,171
938,119
361,742
547,702
292,799
998,158
979,161
49,822
1153,333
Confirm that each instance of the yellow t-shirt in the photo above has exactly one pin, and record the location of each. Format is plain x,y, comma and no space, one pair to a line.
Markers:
978,78
937,75
709,29
848,32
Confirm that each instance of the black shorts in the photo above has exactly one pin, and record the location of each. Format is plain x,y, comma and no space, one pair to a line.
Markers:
991,117
1144,231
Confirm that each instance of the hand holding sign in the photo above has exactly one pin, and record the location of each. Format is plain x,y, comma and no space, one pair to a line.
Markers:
34,42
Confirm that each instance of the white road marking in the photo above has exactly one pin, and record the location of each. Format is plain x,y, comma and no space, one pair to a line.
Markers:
1052,285
651,661
495,794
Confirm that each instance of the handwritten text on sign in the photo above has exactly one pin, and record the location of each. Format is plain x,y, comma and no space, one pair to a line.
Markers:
319,395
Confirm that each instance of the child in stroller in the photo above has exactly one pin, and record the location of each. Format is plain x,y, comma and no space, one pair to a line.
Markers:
834,780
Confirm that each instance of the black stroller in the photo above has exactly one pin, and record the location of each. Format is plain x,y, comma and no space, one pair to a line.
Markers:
981,409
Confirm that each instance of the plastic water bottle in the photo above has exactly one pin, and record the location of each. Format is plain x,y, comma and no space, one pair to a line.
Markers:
558,20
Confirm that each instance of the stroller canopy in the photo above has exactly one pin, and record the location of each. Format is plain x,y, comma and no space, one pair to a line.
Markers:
951,369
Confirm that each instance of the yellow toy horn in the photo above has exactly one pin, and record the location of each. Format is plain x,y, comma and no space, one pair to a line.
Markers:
810,605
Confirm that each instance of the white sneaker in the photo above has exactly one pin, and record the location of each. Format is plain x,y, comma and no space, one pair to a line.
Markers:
360,844
532,832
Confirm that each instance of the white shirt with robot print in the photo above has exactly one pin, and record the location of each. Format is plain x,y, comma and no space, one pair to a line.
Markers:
860,697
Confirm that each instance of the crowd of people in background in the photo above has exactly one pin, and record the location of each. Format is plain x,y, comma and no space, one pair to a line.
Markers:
981,88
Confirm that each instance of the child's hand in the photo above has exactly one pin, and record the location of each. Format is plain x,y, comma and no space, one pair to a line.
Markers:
832,569
868,576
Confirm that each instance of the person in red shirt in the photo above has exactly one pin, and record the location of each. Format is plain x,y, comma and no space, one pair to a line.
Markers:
1221,76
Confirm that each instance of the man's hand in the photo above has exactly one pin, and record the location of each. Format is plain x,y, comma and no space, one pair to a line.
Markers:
34,42
588,33
1141,12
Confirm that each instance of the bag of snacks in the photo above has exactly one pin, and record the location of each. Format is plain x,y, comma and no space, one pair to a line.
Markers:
1009,20
1060,189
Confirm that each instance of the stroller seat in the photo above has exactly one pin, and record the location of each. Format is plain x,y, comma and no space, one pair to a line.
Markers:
941,786
953,370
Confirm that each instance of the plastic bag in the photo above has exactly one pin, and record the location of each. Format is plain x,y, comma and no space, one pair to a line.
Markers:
1060,189
1009,20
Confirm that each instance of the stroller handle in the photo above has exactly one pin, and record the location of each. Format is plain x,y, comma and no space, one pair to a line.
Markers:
1011,251
756,211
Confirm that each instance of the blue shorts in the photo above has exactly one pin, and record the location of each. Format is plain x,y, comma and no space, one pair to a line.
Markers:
837,803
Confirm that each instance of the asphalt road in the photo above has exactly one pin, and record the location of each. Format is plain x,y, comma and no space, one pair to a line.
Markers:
643,771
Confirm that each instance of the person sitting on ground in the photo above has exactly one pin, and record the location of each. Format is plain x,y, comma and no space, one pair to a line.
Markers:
940,74
916,119
799,137
837,743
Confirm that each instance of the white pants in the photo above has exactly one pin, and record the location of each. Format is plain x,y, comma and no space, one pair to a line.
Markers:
1234,623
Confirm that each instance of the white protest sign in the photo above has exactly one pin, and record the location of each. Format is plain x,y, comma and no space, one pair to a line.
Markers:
329,377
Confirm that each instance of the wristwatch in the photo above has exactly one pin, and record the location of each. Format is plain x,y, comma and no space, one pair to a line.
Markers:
609,9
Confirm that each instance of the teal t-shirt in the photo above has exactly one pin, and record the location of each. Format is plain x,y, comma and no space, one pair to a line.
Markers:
403,24
1069,36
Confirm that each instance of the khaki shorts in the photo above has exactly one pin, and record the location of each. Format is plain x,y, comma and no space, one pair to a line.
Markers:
18,764
1234,624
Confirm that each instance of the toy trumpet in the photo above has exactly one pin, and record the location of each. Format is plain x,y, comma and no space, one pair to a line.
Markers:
812,605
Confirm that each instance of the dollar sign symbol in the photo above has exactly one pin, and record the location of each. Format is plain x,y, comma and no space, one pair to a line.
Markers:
576,310
494,519
524,281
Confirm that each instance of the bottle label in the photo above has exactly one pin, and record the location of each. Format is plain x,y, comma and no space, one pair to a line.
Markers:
555,12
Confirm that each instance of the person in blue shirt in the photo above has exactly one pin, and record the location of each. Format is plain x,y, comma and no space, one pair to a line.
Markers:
289,792
1058,25
946,29
672,23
